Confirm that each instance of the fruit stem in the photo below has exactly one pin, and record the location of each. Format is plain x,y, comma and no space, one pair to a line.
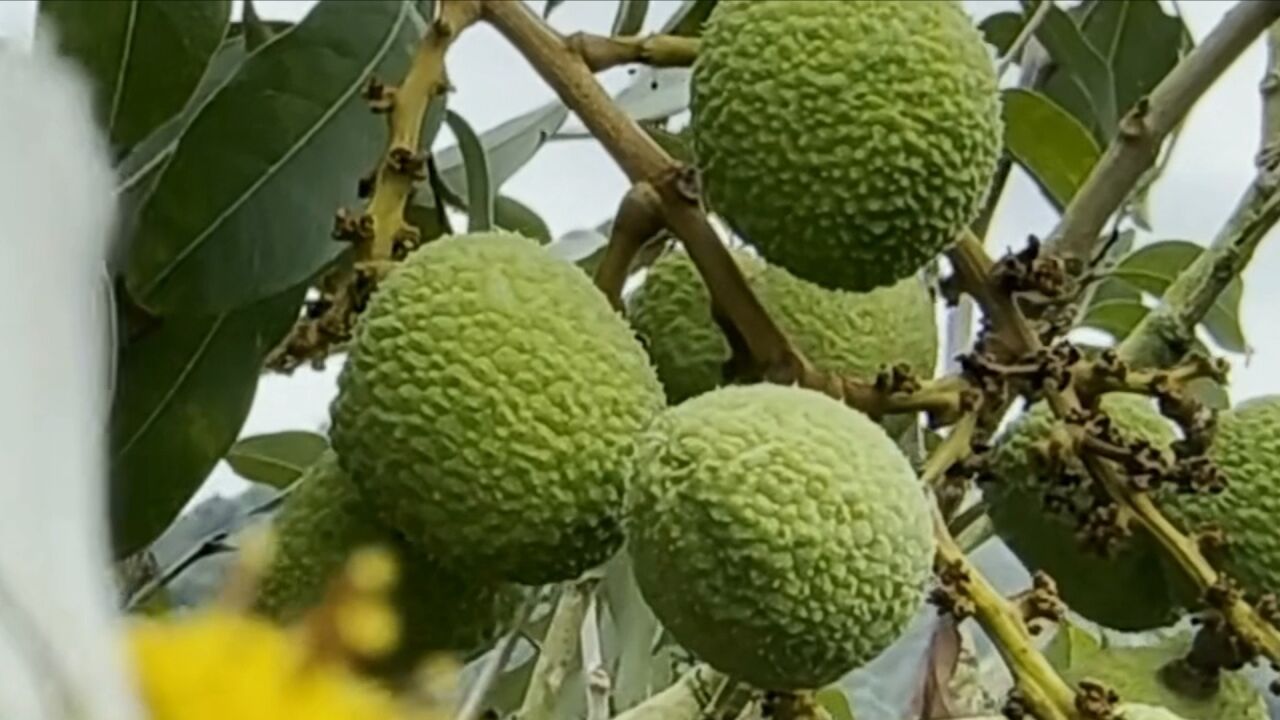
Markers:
639,218
601,52
1040,688
381,232
559,652
957,446
1144,128
1165,333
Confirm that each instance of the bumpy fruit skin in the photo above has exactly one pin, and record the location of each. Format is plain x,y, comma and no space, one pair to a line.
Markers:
1246,448
845,332
850,142
318,527
778,534
1136,711
491,406
1088,582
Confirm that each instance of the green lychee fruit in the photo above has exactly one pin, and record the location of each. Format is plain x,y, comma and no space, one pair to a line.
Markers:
854,334
1046,539
322,522
778,534
850,142
1138,711
490,408
1246,448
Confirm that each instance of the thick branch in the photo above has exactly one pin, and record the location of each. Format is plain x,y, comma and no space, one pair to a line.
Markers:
1166,333
1144,128
601,53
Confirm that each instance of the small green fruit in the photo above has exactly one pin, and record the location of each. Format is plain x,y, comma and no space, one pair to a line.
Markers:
854,334
1246,448
850,142
317,528
490,407
1126,590
1136,711
778,534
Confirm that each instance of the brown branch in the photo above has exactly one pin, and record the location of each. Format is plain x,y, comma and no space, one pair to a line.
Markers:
1144,128
644,161
601,52
639,218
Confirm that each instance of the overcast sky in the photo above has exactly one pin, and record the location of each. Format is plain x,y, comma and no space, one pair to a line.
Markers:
573,184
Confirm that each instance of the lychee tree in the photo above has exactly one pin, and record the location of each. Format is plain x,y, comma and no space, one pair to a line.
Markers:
287,203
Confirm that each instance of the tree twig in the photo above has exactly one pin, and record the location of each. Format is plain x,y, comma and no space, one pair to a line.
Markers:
380,234
1166,333
639,218
601,52
1142,130
1039,686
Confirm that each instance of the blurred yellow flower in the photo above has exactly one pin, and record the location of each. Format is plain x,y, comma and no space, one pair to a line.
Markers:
219,665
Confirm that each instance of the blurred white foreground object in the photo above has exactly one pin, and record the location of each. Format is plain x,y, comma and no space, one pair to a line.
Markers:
61,654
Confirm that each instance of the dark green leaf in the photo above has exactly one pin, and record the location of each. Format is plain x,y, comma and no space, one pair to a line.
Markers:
1116,317
256,31
1081,74
508,146
1053,147
275,26
1153,267
688,19
427,219
183,393
1139,41
1000,29
434,119
144,58
230,222
141,168
511,214
551,6
630,17
835,702
480,189
276,459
